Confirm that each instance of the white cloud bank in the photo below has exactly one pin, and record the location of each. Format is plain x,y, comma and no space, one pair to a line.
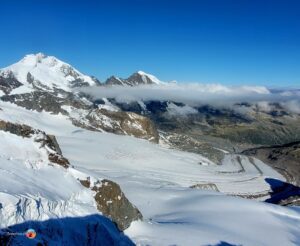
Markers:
201,94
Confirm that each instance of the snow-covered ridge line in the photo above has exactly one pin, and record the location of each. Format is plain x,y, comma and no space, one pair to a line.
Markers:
136,79
46,70
50,73
154,79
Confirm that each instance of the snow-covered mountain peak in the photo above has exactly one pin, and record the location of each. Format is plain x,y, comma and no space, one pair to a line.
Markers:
142,73
113,80
46,71
148,77
138,78
33,59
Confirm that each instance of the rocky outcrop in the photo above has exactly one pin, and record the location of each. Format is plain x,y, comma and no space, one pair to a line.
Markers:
54,152
113,80
127,123
42,97
59,159
284,158
37,100
46,141
17,129
112,202
8,82
138,78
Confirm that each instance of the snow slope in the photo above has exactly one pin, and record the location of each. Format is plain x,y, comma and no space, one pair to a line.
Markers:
154,178
187,217
48,70
154,79
31,189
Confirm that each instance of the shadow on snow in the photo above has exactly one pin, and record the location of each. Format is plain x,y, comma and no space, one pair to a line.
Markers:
281,191
92,230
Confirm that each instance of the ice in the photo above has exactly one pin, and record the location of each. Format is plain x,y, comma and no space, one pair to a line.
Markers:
154,178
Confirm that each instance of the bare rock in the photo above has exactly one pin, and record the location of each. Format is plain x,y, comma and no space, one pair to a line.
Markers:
126,123
17,129
112,202
49,141
59,159
284,158
8,82
86,182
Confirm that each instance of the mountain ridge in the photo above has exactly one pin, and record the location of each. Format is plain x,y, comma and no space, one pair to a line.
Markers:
137,78
38,70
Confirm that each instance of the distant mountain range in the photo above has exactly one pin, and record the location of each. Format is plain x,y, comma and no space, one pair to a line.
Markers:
38,71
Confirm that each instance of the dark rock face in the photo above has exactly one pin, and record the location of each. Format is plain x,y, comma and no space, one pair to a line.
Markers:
50,101
124,123
138,79
112,202
97,81
78,83
284,158
56,155
8,83
36,84
114,81
38,101
53,144
17,129
134,80
86,183
58,159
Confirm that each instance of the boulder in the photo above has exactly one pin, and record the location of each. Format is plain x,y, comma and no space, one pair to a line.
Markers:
112,202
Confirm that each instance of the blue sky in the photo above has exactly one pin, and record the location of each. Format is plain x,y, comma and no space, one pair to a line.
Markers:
225,41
